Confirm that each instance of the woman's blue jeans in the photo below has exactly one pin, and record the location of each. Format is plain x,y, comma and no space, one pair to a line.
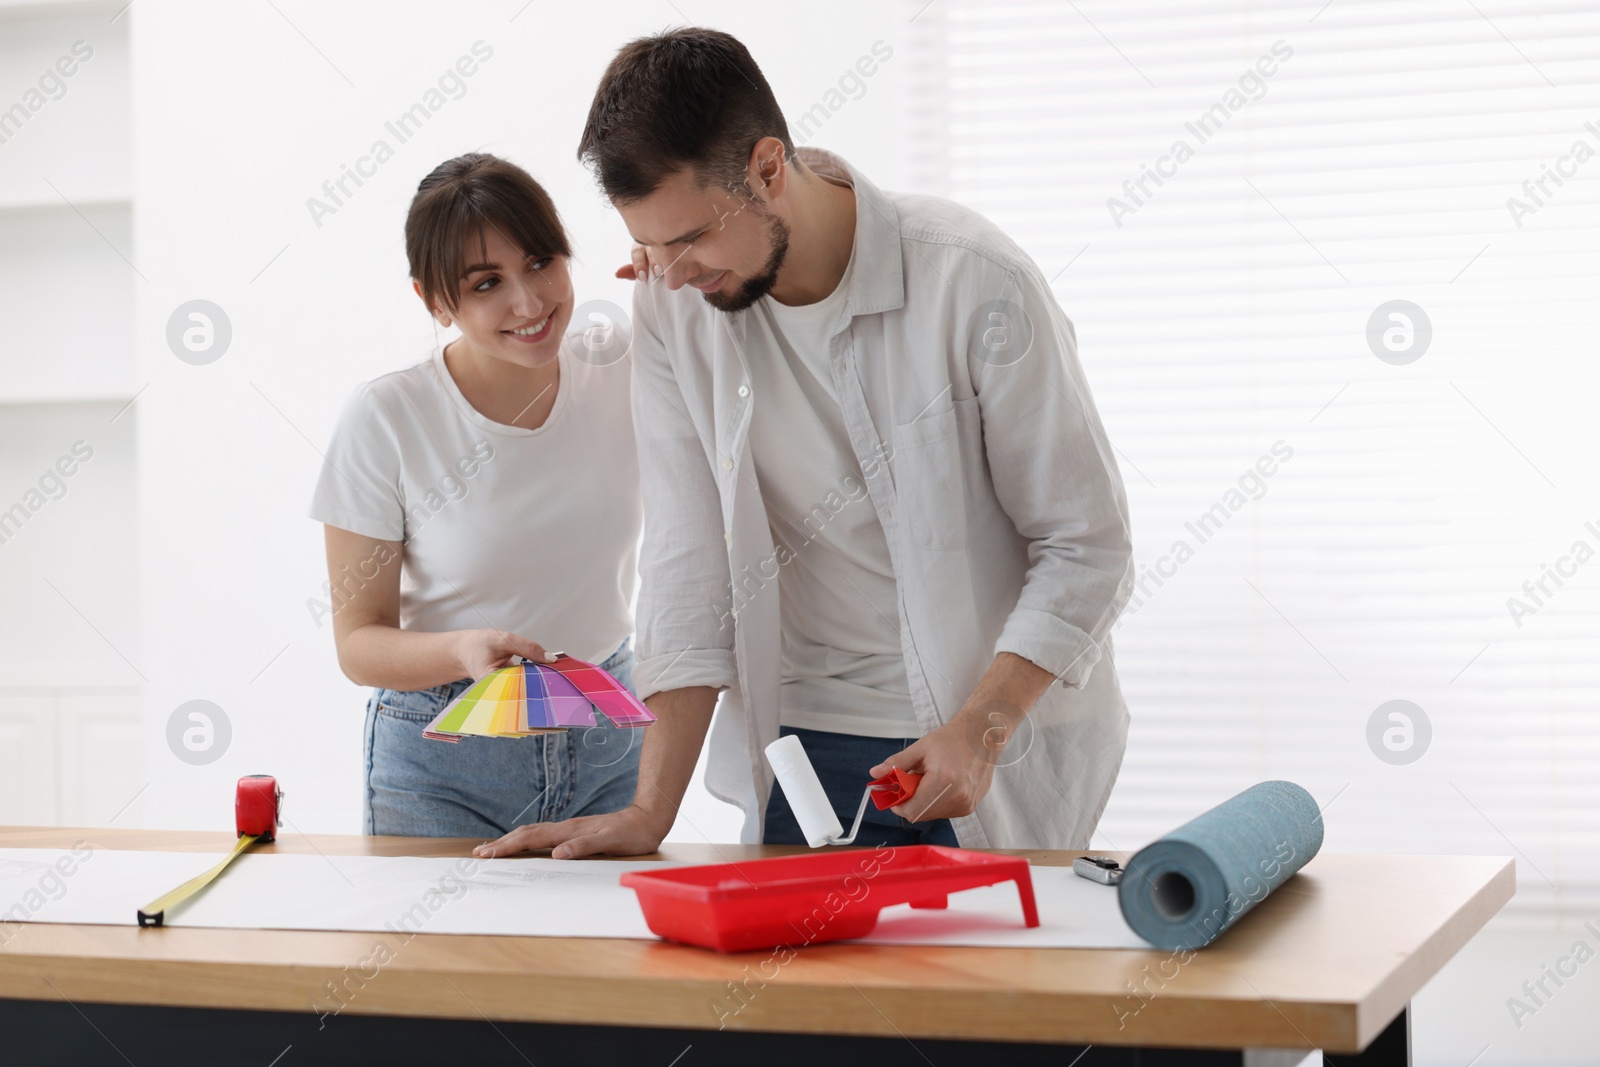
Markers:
487,786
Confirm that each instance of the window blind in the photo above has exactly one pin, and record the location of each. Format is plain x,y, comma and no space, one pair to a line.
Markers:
1334,508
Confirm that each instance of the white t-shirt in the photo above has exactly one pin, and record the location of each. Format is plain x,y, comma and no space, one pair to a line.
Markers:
843,668
535,532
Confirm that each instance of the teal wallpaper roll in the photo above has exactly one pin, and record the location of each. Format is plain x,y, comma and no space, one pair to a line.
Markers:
1183,890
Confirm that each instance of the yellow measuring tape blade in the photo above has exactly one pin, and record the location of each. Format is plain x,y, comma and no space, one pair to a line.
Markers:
152,913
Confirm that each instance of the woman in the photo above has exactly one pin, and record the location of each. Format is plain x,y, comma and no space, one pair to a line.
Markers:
481,505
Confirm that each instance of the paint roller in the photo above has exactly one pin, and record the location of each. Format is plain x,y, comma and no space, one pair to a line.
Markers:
809,802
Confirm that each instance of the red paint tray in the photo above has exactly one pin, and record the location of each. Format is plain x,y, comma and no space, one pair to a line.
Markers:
805,899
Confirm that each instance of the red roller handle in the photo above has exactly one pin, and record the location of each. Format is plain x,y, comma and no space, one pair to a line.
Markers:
897,787
255,806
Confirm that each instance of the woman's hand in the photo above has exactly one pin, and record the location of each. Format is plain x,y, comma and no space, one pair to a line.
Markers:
640,268
629,832
481,651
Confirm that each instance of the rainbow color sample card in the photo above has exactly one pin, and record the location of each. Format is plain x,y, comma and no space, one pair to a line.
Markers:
538,698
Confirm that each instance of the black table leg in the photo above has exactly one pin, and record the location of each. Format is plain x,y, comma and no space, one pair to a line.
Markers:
1391,1048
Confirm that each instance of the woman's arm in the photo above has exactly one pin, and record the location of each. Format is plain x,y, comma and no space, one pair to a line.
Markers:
373,650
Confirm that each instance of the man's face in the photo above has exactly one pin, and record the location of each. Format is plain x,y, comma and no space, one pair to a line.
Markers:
725,242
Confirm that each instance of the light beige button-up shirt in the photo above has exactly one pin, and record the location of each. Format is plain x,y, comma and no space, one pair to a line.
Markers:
987,465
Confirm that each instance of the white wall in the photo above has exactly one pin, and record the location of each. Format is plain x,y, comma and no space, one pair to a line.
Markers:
237,121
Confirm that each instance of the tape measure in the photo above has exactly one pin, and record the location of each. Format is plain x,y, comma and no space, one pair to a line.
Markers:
257,817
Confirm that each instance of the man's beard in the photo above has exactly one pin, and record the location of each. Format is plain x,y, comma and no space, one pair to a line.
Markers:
761,284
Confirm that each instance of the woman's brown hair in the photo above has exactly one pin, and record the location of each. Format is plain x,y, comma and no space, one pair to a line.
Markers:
457,201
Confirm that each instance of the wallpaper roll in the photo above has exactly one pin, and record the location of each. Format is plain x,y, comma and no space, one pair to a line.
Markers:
1183,890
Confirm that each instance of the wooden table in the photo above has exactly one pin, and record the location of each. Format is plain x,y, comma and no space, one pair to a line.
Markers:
1329,962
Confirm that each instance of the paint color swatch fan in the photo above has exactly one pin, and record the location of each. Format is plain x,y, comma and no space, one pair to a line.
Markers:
538,698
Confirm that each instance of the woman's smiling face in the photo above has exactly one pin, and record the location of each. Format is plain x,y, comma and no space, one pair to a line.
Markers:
511,305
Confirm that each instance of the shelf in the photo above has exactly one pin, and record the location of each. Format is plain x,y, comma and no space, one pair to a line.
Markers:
66,398
55,203
69,676
35,9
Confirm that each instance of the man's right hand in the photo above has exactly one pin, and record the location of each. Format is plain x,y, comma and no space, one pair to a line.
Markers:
629,832
666,764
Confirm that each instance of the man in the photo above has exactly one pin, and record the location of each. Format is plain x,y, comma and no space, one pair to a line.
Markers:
880,510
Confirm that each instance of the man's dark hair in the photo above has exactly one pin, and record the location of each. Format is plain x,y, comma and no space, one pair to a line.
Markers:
688,97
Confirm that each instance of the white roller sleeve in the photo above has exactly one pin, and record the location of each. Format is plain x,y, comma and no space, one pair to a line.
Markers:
803,790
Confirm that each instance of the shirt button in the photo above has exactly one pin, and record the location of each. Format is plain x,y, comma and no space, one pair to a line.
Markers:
728,538
744,390
727,464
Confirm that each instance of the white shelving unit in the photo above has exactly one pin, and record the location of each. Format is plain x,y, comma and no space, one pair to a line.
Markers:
70,704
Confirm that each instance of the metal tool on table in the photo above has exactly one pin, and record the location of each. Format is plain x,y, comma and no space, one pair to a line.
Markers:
257,816
1102,869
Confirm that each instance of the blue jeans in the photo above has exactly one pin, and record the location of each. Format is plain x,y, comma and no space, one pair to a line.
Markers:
487,786
842,762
